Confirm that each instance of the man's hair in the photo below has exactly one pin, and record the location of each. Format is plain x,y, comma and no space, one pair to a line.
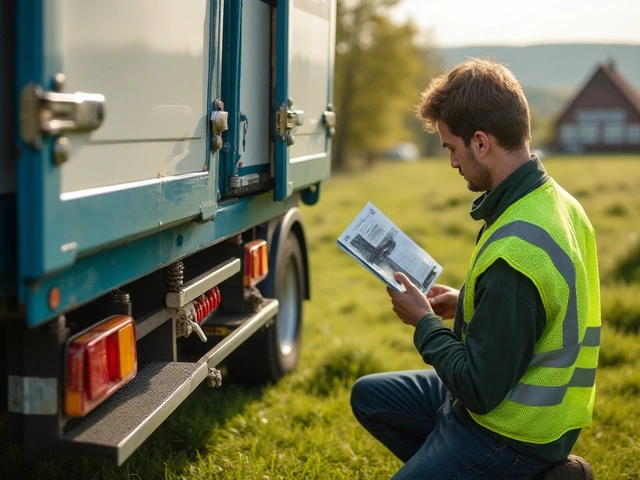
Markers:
478,95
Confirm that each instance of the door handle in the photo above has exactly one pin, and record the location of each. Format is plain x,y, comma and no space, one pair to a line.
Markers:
286,120
50,113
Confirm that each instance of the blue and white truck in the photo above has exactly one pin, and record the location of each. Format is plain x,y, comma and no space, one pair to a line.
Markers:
153,157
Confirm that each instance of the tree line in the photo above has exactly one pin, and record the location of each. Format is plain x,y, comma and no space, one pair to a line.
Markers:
381,68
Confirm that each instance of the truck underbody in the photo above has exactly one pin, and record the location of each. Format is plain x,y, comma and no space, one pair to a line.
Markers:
256,331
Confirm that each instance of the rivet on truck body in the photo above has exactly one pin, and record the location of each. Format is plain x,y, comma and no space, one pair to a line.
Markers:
58,82
61,150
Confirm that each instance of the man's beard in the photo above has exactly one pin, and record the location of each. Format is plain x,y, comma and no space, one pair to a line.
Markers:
481,181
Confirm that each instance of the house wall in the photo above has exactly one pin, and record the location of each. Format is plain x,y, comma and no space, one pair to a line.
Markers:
600,119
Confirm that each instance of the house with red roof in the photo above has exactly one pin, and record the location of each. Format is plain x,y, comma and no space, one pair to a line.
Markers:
603,117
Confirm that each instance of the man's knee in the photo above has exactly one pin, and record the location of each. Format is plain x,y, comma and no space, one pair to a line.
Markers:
369,399
362,394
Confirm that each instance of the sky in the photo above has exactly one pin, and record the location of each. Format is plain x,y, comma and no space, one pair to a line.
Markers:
516,22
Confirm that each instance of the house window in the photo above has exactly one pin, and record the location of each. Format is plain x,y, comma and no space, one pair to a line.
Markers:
614,115
588,132
587,115
633,133
568,134
614,132
609,121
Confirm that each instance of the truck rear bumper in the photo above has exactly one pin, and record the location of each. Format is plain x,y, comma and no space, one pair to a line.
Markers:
119,426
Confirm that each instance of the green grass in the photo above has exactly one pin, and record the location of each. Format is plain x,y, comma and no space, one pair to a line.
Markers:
302,427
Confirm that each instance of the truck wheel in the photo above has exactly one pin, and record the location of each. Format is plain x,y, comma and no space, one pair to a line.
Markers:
273,352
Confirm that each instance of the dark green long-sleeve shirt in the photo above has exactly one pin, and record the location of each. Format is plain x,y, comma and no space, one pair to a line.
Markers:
508,320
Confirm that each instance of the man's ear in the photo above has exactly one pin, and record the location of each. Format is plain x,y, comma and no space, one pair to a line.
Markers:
481,143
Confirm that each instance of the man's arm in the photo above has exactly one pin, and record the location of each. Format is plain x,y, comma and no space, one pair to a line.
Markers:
500,339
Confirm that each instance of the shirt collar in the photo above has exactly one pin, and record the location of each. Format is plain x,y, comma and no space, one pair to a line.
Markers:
492,203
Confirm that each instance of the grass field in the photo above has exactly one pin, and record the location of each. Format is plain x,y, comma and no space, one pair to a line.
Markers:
303,427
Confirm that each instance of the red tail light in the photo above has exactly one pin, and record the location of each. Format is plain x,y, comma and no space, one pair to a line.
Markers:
99,362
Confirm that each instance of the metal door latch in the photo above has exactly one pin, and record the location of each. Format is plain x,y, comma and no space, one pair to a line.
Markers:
52,113
329,120
219,124
287,120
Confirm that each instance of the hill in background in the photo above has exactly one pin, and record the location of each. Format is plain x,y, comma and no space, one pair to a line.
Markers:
555,66
552,74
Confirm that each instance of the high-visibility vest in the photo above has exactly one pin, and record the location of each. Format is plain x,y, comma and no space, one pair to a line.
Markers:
547,236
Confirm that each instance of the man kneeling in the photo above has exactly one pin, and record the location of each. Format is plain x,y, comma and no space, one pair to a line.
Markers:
514,382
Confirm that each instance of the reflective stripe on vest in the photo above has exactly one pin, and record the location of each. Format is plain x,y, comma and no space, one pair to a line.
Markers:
536,395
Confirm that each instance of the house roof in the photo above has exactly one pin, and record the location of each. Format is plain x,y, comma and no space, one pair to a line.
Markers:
622,85
608,70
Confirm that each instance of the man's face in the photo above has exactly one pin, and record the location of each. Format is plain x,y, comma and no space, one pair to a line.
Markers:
477,175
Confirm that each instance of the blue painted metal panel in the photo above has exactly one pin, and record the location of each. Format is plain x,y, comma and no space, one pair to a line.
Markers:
281,150
54,230
95,275
253,169
30,169
232,41
307,168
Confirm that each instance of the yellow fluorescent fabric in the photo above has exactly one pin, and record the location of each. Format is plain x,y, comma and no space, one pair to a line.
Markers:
547,236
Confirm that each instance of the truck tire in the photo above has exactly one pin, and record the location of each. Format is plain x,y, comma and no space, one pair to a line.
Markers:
273,352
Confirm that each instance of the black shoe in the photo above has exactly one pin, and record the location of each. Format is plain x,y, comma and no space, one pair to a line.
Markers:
572,467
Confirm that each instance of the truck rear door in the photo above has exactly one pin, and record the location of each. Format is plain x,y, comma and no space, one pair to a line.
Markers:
114,123
304,115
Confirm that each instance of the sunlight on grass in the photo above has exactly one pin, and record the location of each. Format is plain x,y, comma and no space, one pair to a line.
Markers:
303,426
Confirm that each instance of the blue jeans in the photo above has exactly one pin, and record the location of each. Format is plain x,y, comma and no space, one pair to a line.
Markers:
410,413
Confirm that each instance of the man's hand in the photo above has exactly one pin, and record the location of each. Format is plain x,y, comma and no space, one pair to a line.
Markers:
410,305
443,300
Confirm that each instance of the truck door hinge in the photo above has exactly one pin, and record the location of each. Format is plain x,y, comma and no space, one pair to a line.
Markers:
329,120
287,120
51,113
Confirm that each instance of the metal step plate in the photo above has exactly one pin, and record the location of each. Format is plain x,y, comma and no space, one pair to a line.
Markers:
124,421
120,425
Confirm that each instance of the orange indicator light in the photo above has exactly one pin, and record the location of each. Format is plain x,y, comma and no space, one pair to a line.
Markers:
256,262
54,298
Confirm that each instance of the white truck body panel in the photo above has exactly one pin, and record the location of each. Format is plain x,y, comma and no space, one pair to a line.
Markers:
150,59
255,83
311,70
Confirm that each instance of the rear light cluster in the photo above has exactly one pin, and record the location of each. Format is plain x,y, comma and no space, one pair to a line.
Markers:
207,303
99,362
256,262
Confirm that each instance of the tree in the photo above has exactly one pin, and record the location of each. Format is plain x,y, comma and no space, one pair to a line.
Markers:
378,63
431,66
